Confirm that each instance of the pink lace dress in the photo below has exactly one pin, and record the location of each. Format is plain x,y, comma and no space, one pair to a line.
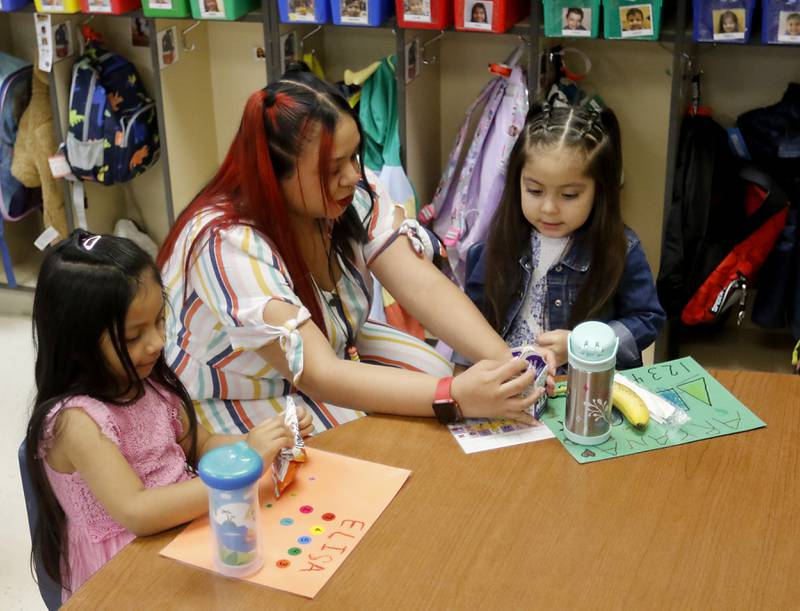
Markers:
147,433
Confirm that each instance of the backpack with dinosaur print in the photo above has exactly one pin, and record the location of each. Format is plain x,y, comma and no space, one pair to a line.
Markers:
113,126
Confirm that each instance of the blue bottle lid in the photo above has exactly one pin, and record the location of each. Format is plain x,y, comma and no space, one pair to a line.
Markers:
592,346
230,467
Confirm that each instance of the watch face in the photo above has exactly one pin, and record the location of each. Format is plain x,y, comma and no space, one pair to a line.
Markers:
445,411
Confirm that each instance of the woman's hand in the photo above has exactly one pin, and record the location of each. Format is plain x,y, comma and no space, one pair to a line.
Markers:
557,342
490,389
305,421
268,438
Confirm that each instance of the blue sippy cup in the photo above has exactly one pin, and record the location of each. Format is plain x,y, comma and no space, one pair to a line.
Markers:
231,474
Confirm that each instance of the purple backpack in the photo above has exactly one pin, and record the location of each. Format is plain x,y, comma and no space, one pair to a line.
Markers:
472,184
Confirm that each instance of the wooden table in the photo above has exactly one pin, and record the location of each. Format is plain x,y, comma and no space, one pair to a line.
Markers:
709,524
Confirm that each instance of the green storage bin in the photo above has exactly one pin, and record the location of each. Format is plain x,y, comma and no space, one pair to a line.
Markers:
632,19
571,18
227,10
166,8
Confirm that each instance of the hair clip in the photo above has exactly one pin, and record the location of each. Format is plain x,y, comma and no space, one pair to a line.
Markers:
88,243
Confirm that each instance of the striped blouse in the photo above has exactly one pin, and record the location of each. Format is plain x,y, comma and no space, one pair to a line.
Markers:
213,337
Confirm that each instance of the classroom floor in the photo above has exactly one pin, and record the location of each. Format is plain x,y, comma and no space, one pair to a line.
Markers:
17,588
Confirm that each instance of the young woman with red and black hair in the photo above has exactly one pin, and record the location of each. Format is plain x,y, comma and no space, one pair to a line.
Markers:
268,278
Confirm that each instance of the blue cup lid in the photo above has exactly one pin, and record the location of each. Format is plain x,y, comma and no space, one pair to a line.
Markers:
592,344
231,467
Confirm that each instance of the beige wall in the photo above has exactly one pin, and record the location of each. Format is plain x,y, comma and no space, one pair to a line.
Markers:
189,116
739,78
634,79
235,74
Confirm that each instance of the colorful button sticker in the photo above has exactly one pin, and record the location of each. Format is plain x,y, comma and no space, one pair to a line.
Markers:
286,521
295,551
282,563
328,517
268,505
304,540
306,509
311,477
294,494
317,530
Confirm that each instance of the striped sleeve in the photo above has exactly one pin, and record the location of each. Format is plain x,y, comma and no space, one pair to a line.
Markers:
380,224
236,274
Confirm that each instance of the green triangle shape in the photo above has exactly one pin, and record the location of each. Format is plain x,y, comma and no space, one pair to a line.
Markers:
697,389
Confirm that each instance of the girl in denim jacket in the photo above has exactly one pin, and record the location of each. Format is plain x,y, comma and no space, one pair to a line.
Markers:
558,252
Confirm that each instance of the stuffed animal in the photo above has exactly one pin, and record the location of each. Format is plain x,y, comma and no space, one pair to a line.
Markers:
35,144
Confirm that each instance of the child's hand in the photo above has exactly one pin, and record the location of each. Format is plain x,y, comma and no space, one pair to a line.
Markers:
550,360
305,421
268,438
555,341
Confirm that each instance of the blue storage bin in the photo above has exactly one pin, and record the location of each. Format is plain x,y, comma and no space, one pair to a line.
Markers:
781,22
369,13
304,11
13,5
726,21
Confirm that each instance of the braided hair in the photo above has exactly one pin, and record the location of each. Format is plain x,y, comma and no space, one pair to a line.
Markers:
594,135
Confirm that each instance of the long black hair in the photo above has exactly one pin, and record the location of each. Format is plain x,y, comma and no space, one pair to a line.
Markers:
597,137
85,287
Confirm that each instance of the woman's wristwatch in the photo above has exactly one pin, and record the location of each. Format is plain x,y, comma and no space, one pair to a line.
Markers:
444,406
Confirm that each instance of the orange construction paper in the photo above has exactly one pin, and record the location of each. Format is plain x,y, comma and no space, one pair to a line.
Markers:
310,530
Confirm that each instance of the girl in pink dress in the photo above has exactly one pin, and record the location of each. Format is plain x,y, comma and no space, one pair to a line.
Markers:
113,439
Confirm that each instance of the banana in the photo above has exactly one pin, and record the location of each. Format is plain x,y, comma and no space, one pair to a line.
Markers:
631,405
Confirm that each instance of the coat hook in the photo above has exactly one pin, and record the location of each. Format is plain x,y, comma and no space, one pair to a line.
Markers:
183,36
425,44
311,33
305,36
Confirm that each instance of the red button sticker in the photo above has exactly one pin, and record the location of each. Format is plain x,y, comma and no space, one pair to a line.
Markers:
306,509
282,563
328,517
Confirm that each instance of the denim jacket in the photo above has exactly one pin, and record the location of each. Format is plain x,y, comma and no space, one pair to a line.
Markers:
634,313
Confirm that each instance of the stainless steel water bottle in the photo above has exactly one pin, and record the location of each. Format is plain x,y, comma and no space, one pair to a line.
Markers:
592,356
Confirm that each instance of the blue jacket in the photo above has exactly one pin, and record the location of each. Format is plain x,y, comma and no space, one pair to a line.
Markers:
634,313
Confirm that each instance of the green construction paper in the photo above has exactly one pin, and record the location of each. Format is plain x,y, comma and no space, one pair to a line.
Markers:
713,410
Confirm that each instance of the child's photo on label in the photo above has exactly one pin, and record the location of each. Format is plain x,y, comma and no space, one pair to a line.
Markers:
789,26
168,52
302,10
140,32
636,20
99,6
212,8
354,11
53,6
478,14
729,24
161,4
62,37
417,10
576,21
